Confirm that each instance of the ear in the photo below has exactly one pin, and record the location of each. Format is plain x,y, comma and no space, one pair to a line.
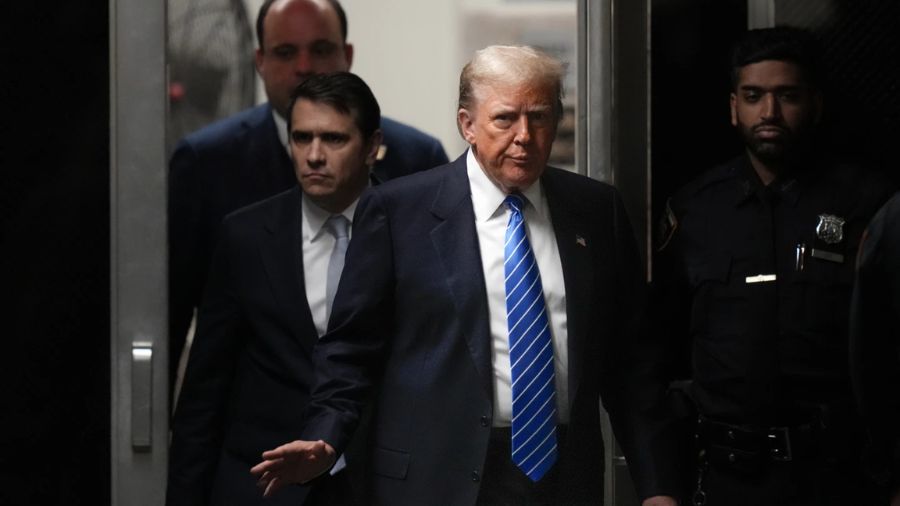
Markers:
373,146
258,59
465,120
733,101
348,54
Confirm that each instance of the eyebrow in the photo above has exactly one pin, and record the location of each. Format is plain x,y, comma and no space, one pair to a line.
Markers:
781,87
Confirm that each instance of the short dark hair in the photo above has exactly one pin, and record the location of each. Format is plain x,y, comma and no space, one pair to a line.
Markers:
781,43
346,93
264,9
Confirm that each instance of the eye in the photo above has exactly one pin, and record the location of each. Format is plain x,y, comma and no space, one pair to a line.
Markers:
298,137
284,52
335,138
323,49
539,117
790,96
752,96
503,120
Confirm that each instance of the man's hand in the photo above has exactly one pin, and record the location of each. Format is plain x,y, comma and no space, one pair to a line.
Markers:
295,462
660,500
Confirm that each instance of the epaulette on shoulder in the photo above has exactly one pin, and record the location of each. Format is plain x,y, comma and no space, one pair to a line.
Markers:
679,201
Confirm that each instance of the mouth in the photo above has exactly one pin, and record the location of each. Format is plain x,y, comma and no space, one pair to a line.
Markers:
769,131
314,177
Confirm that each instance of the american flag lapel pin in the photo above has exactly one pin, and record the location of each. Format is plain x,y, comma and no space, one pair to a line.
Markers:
580,241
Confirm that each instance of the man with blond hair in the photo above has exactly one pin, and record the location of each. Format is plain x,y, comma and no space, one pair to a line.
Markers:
510,306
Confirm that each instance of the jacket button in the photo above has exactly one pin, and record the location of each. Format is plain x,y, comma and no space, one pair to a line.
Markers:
484,421
475,476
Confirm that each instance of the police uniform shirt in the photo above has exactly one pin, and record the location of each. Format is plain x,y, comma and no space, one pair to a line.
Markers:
767,273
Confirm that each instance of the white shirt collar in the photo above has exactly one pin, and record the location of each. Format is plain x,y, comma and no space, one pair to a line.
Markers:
487,198
315,217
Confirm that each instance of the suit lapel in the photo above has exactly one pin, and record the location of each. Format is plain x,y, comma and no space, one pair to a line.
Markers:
282,259
574,243
455,241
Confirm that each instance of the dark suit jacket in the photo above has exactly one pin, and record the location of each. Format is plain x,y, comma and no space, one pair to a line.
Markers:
250,370
875,345
411,317
233,163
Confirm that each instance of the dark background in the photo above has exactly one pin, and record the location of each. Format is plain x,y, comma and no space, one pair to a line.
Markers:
691,39
54,255
54,198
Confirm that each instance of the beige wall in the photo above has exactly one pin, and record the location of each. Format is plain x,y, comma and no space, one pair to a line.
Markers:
411,51
407,50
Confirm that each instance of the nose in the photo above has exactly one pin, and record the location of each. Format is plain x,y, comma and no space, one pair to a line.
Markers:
523,131
771,108
302,63
315,156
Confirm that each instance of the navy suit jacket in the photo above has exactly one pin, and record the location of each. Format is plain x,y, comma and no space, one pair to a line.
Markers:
411,319
233,163
250,369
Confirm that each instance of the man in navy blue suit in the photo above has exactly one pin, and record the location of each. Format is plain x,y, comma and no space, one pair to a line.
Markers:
486,308
267,301
244,158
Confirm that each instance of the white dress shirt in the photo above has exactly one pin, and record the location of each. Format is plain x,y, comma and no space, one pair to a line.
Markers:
491,218
317,246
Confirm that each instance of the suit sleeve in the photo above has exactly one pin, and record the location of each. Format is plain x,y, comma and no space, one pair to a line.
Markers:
186,268
875,344
635,396
198,425
348,359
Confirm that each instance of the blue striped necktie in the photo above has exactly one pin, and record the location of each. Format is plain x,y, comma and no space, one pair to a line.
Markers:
530,352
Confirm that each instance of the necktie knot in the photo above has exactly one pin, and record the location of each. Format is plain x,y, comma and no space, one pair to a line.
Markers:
338,226
516,202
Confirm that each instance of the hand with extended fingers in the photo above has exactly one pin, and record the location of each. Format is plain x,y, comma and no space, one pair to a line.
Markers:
660,500
295,462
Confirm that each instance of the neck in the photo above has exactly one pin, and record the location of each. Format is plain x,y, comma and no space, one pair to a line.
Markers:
766,172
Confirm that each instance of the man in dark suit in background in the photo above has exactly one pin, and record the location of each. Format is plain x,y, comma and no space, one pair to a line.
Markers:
244,158
875,348
267,302
491,301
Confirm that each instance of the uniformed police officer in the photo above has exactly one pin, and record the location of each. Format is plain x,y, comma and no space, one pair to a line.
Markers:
875,348
756,257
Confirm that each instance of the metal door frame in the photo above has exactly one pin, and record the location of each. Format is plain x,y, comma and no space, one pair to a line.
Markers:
138,257
613,143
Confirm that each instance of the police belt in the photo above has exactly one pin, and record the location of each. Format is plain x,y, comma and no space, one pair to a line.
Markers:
747,447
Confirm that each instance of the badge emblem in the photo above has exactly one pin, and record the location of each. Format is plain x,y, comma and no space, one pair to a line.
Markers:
830,228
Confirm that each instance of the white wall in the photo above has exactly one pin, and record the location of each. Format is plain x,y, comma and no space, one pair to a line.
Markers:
411,51
408,52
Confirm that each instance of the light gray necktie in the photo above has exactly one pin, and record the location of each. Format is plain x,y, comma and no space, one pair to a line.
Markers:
339,227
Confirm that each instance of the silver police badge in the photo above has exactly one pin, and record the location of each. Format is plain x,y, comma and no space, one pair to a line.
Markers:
830,228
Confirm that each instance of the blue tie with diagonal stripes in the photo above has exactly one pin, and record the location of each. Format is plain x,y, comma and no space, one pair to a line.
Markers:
530,352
